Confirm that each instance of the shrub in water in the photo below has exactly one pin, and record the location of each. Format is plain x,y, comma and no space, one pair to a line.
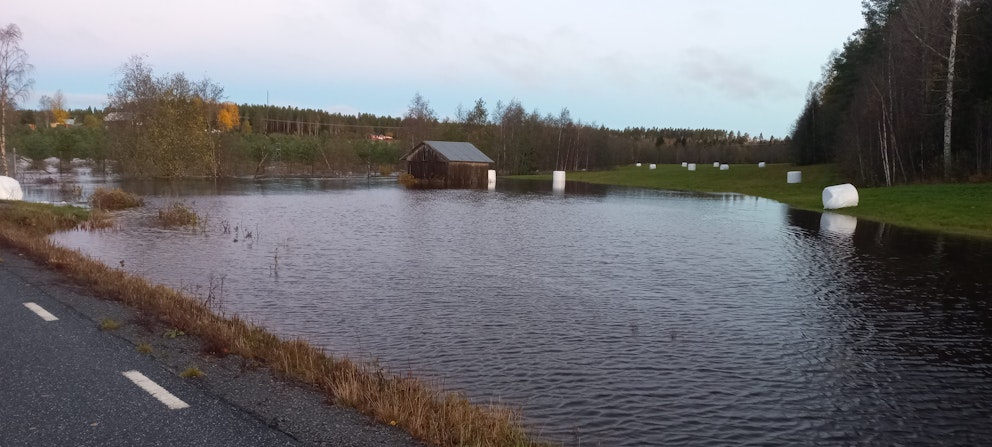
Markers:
178,215
114,199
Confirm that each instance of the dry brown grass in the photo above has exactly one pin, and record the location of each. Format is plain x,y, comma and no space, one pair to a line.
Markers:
423,409
178,215
406,179
114,199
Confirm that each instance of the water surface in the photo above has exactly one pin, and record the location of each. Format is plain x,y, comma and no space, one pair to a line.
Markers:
612,316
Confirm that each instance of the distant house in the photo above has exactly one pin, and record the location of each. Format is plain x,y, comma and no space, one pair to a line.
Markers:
68,122
448,164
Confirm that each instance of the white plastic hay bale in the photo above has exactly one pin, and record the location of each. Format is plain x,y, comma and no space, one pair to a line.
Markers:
692,166
833,223
652,166
10,189
558,180
685,164
794,177
724,167
840,196
638,165
716,164
761,164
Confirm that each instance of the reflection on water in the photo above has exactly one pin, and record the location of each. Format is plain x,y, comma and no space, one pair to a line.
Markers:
612,316
839,224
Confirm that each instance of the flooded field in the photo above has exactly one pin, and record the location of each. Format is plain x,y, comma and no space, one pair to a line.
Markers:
612,316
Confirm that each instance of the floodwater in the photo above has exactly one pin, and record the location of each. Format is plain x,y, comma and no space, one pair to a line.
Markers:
611,316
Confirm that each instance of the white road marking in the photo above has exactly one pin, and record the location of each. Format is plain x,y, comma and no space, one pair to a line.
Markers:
44,314
173,402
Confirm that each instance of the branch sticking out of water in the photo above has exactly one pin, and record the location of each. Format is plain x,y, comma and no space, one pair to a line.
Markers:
274,269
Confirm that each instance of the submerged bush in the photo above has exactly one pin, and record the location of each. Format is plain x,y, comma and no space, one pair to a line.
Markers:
178,215
114,199
406,179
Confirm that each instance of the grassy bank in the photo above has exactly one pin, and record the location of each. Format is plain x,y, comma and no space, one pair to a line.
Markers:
964,209
423,409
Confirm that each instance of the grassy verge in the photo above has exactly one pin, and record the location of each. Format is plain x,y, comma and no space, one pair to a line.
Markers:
423,409
964,209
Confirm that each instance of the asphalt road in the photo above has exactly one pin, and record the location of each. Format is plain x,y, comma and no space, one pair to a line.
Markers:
66,381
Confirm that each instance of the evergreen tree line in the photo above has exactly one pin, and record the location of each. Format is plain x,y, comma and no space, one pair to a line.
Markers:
908,99
171,126
522,141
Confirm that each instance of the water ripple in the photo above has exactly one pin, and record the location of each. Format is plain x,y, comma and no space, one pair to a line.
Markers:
615,317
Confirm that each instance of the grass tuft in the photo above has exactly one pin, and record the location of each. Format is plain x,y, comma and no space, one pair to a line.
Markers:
178,215
191,373
109,324
173,333
145,348
114,199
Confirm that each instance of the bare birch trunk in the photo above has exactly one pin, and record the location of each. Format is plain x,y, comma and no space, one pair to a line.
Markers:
3,136
949,98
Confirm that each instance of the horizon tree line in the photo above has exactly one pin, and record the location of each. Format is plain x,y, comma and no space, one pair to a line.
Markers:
172,126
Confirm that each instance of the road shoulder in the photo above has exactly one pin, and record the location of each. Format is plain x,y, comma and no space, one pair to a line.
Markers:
297,410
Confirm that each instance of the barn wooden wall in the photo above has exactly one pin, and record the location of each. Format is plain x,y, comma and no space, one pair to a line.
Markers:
432,171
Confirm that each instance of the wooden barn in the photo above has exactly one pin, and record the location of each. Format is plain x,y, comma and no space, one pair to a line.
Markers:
448,164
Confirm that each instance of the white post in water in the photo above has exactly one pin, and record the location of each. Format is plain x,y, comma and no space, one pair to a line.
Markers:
558,180
492,179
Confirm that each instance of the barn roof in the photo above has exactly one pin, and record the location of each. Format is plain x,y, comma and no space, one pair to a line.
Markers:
456,151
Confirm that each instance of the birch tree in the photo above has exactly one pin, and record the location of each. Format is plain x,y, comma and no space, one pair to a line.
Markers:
160,124
15,81
419,120
54,108
949,95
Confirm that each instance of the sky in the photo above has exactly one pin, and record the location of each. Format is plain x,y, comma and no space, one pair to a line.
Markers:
739,65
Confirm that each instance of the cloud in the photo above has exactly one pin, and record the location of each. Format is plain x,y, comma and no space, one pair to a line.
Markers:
735,78
599,60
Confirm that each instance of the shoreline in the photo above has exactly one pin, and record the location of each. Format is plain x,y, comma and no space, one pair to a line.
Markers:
962,209
423,409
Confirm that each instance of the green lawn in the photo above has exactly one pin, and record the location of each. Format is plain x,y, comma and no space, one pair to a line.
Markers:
952,208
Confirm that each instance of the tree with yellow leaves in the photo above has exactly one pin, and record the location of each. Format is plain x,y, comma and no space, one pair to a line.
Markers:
54,108
227,117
